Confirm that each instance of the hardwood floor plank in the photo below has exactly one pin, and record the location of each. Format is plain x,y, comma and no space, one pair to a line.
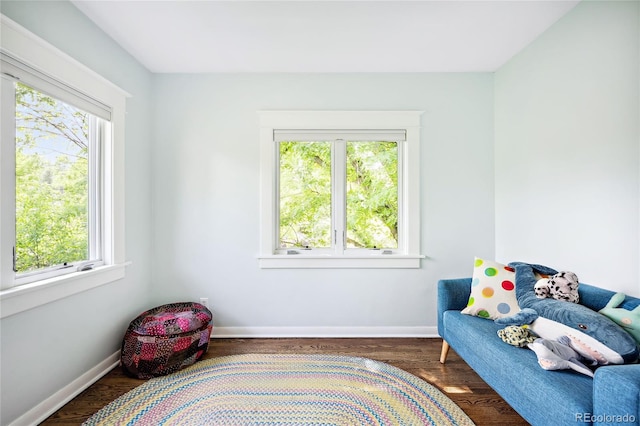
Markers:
418,356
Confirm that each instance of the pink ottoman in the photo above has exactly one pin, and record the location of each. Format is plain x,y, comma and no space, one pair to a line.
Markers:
165,339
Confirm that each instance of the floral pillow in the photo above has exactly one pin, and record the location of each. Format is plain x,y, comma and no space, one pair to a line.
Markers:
493,292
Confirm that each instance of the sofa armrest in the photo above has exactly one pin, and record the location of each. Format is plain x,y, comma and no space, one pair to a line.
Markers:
453,294
616,395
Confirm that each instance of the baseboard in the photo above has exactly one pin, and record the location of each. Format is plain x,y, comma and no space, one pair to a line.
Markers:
52,404
413,331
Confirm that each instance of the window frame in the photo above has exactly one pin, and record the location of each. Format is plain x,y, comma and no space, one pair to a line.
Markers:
99,135
29,49
408,253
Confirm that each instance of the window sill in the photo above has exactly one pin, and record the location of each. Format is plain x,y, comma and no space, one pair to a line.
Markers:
29,296
393,261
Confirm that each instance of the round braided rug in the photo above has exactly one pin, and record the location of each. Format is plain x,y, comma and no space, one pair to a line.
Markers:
284,390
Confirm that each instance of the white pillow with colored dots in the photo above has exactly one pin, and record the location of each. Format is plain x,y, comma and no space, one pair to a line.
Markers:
493,290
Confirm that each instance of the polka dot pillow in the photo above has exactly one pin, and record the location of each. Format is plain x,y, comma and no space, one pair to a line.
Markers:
493,291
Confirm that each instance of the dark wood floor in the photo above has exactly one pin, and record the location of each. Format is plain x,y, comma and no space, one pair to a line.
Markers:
417,356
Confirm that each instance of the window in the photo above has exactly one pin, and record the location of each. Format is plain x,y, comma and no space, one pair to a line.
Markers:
340,189
57,196
61,221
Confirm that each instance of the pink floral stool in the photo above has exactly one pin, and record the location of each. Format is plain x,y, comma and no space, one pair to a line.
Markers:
165,339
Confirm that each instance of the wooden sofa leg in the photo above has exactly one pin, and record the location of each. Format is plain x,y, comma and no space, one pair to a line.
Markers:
444,352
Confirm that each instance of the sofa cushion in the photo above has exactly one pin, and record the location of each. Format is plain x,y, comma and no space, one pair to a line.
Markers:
597,298
524,383
492,290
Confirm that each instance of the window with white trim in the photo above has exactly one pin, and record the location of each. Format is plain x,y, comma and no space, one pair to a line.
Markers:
53,139
61,174
340,189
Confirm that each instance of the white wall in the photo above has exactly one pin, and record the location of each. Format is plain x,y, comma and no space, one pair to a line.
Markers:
44,349
567,147
206,199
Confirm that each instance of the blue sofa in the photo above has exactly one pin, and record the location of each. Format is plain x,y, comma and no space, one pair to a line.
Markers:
541,397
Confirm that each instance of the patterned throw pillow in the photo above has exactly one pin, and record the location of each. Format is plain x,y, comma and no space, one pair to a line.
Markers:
493,291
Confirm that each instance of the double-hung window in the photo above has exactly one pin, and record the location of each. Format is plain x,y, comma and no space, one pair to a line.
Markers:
340,189
60,174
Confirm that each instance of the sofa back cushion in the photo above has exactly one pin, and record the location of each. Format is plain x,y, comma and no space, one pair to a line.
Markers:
597,298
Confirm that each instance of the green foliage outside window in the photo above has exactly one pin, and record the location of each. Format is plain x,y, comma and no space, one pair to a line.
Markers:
305,194
372,194
51,181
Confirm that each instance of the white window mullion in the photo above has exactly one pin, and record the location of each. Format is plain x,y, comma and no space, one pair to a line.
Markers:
339,195
402,198
7,181
410,213
96,138
275,208
111,240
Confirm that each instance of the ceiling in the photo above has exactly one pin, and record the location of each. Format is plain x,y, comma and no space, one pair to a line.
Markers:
183,36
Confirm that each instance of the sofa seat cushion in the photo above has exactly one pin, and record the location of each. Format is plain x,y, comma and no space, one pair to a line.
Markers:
514,372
